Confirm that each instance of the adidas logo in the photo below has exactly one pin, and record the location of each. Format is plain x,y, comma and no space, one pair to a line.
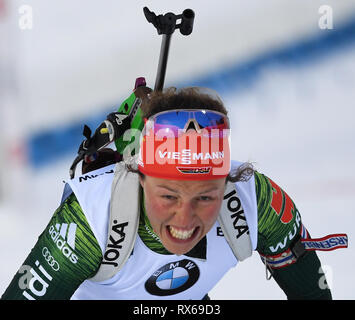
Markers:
64,238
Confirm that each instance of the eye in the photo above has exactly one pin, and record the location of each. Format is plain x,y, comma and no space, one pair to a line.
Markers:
168,197
205,198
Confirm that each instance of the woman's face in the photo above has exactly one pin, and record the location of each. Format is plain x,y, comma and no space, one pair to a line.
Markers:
182,212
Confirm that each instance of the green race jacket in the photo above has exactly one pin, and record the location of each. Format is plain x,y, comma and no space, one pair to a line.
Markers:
73,260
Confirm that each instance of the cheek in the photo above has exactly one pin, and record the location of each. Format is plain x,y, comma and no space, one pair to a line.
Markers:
155,210
209,215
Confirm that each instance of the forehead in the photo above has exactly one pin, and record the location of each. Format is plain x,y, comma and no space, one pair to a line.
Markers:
185,186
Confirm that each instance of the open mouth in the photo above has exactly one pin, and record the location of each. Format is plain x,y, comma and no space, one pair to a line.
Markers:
182,234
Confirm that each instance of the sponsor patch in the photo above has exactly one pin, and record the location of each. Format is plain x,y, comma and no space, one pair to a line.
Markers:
198,170
115,244
63,235
327,243
289,256
173,278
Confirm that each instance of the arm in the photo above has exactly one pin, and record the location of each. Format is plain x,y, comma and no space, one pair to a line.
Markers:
279,228
65,254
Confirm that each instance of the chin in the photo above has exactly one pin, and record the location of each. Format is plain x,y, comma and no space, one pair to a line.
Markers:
179,250
181,246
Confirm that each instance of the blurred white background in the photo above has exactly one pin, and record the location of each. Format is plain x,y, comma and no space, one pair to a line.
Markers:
287,82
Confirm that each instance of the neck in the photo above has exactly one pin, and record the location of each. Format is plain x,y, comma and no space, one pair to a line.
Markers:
146,233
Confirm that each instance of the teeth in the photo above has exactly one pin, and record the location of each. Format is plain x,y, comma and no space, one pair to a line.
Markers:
181,234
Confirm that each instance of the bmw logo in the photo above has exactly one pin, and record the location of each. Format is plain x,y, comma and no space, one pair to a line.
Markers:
173,278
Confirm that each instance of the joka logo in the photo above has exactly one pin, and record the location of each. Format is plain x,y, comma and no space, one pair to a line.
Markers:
234,206
64,238
173,278
116,240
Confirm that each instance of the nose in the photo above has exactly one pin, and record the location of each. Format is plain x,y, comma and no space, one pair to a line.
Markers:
184,214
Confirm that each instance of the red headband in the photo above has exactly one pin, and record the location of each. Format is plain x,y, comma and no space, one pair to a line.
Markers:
185,155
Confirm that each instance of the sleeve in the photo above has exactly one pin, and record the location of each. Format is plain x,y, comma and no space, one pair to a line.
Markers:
65,254
279,230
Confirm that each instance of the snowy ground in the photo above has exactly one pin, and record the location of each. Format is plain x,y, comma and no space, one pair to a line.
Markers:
297,125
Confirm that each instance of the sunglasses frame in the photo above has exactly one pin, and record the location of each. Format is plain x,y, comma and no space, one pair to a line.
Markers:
151,121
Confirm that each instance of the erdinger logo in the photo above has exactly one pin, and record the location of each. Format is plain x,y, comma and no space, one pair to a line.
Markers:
173,278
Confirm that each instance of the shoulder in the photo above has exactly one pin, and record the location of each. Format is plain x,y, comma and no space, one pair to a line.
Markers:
273,201
69,223
243,193
278,218
93,193
69,239
92,181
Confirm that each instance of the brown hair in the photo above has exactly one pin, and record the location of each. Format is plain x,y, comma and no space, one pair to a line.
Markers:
186,98
190,98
